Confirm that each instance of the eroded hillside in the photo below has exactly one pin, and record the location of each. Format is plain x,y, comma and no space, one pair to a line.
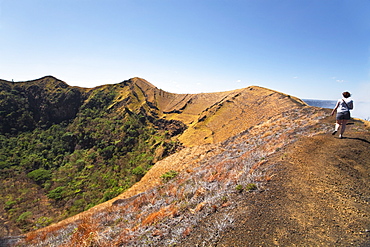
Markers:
214,117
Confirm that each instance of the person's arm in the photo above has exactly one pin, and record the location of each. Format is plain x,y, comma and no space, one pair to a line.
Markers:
335,108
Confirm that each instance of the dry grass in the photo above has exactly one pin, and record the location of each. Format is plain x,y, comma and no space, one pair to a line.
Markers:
165,213
153,218
86,234
187,232
255,166
264,178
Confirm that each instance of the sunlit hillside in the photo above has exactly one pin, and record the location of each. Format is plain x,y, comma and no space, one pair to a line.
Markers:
217,169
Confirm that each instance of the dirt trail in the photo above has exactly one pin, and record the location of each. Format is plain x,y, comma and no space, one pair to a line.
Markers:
318,196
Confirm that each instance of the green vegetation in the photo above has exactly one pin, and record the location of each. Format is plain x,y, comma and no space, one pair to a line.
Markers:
23,217
43,221
168,176
251,186
68,164
40,175
239,188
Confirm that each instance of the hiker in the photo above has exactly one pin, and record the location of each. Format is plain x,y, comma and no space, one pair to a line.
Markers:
342,107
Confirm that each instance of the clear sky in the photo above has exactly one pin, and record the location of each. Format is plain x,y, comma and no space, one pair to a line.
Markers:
312,49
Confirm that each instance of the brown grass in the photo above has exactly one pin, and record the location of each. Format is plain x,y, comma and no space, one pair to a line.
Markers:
153,218
255,166
35,236
264,178
186,232
200,206
123,239
211,176
86,234
139,202
188,161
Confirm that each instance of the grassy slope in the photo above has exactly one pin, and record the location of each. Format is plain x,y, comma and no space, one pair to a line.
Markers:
211,178
300,199
278,129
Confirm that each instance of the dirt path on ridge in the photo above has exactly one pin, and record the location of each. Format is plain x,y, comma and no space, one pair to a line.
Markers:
319,196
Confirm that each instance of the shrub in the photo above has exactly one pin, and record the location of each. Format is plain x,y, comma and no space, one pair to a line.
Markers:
23,217
251,186
56,193
9,204
40,175
111,194
169,175
43,221
239,188
139,171
107,152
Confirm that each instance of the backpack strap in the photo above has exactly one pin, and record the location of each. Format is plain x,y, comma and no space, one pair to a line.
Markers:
346,104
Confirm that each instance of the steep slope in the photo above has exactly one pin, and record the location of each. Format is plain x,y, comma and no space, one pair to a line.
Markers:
106,137
214,117
236,177
38,103
313,191
65,149
237,111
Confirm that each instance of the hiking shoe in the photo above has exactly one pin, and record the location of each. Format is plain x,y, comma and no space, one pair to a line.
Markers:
334,132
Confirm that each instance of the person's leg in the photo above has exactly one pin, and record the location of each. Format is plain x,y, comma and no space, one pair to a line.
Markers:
338,124
336,127
344,122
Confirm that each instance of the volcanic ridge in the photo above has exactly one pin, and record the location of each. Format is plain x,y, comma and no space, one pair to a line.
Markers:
254,167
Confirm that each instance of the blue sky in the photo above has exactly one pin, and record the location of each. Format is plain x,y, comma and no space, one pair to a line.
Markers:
311,49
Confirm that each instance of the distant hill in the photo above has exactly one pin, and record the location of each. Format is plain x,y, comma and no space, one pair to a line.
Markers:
138,166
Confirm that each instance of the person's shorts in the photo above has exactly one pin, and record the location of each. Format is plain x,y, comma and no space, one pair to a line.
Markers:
343,115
